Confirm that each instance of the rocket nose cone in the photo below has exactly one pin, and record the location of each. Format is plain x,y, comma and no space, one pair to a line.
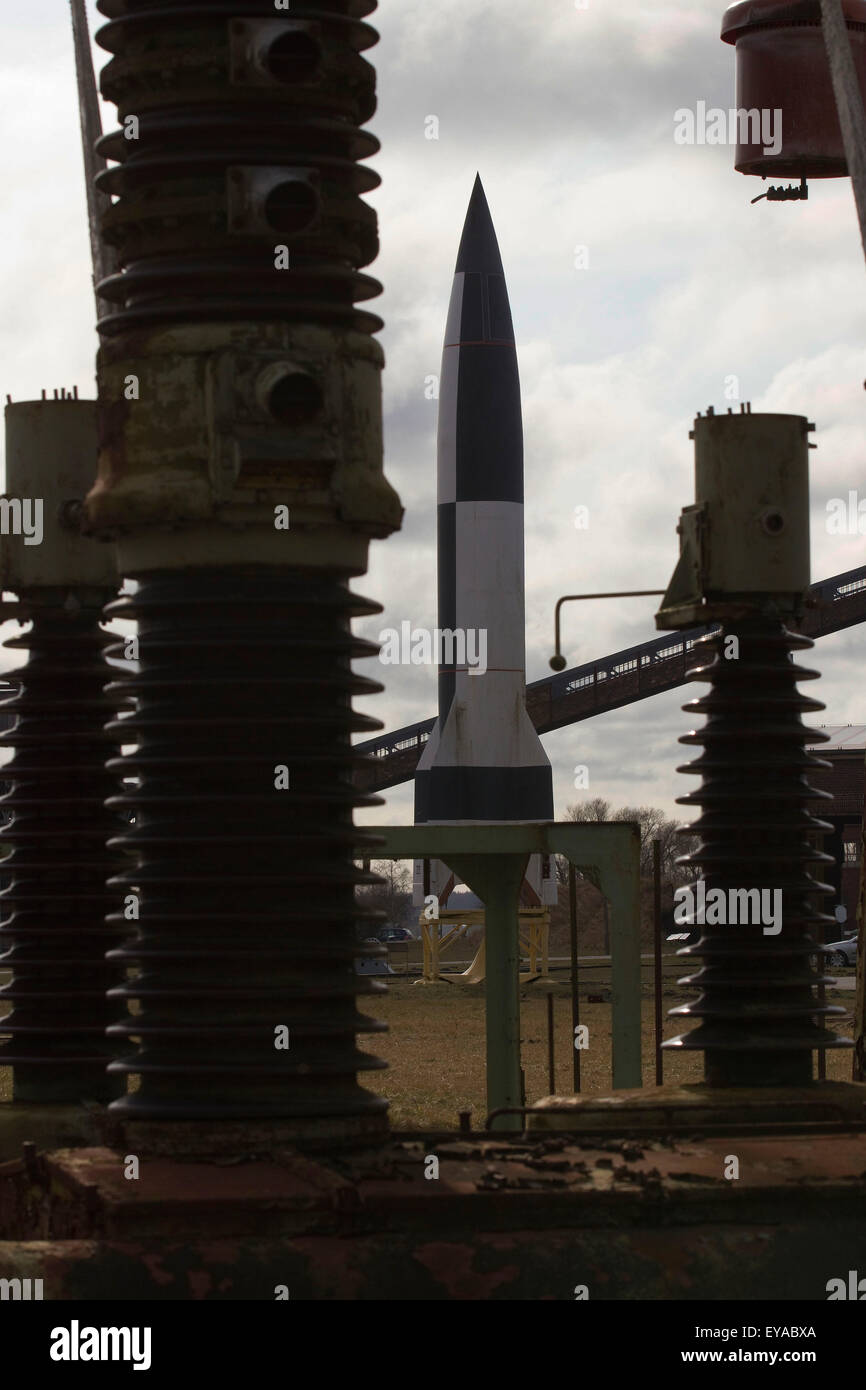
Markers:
479,249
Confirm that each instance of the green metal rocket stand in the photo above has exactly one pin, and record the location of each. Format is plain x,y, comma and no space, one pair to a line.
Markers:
492,860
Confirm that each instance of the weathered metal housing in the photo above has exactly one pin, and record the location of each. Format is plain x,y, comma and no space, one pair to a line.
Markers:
782,66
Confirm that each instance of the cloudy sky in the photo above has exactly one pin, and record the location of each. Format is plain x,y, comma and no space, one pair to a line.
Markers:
568,114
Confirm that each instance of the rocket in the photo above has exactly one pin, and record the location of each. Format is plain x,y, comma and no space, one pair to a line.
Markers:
484,760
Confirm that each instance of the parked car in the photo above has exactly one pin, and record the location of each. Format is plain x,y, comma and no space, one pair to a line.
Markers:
389,935
841,953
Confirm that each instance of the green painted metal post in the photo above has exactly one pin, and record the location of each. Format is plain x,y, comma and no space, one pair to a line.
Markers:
496,879
616,856
492,860
622,889
503,988
575,995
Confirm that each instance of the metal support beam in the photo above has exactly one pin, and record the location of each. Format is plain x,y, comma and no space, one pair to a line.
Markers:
492,860
858,1072
849,102
575,994
496,879
103,257
657,958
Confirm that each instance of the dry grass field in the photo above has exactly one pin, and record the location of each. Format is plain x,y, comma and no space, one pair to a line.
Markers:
435,1048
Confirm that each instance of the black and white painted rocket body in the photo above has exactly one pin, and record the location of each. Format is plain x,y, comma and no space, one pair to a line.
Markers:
484,760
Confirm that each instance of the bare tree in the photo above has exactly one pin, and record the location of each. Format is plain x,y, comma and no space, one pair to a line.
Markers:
595,810
654,825
393,896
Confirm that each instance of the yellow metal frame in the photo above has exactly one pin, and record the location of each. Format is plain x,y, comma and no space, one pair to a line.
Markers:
534,936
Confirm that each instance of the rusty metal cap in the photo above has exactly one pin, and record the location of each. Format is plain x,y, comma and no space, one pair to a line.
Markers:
768,14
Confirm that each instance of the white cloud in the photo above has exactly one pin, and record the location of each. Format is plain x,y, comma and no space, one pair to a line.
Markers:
568,114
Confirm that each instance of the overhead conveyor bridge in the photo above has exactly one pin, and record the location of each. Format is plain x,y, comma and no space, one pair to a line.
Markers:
611,681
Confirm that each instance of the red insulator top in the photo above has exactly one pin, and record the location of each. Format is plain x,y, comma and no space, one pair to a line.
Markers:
769,14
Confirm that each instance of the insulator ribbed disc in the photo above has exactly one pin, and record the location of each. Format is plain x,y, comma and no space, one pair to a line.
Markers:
248,911
758,1010
53,934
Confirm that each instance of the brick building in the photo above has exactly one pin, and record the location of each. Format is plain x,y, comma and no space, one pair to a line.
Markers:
845,780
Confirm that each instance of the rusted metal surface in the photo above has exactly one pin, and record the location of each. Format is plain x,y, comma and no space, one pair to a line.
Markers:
771,1260
537,1180
515,1219
200,447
